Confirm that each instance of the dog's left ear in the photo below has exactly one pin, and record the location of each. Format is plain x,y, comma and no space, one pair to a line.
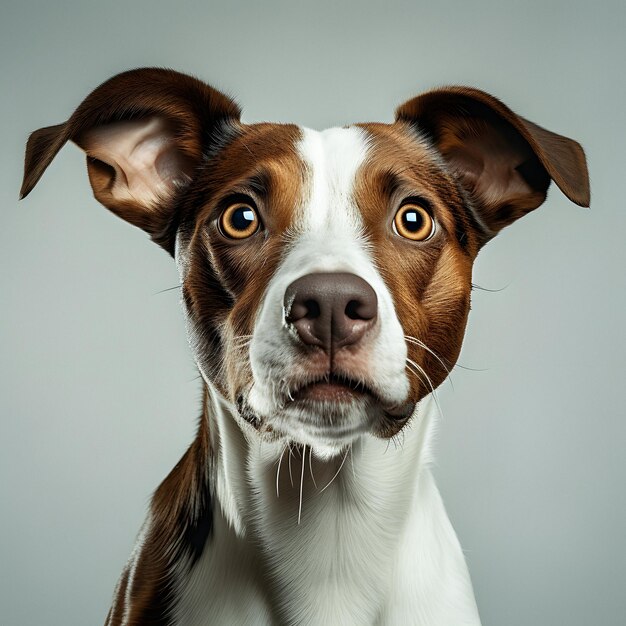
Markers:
504,161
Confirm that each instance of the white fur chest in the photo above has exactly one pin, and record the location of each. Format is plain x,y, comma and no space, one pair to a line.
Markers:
373,546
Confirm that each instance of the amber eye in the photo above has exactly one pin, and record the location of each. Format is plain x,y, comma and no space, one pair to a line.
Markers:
414,222
239,221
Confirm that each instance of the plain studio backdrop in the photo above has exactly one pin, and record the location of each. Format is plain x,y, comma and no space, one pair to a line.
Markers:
99,394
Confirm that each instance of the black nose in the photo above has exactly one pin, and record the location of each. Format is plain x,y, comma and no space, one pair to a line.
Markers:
331,310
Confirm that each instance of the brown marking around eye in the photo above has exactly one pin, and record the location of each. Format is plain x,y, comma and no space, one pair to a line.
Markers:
430,281
226,280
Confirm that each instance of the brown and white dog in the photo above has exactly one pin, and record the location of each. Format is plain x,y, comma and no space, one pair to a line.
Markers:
326,281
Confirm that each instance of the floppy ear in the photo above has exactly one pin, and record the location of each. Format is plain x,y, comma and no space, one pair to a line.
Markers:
504,161
145,132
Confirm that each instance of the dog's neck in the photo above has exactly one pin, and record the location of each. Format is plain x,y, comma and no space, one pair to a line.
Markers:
332,541
255,479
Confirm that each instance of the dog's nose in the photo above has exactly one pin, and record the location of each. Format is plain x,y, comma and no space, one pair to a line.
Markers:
331,310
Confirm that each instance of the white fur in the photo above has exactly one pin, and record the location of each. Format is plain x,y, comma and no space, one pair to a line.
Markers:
327,237
225,585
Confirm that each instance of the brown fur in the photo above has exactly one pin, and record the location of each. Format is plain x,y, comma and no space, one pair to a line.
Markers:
227,279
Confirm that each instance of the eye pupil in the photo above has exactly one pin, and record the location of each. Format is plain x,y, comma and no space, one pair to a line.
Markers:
242,218
412,220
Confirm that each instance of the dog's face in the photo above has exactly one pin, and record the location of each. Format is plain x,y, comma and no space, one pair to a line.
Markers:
326,276
331,256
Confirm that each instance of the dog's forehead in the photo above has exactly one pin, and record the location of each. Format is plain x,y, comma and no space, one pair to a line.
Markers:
311,180
336,152
340,164
339,158
332,160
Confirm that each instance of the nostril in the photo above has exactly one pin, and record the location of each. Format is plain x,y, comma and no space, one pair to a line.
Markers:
364,309
308,309
352,310
313,309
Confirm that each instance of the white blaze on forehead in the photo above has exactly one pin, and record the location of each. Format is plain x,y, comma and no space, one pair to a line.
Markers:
333,158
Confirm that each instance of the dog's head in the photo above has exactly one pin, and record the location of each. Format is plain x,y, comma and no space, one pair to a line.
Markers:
326,276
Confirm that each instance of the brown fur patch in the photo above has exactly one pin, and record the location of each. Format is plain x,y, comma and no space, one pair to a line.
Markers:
430,281
180,524
227,279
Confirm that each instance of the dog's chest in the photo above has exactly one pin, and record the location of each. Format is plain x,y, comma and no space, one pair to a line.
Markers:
358,556
328,568
335,571
324,570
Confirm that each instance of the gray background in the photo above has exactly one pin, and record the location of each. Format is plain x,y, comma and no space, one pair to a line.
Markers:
99,395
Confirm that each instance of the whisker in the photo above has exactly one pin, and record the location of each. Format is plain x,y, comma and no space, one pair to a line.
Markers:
475,286
471,369
345,456
411,339
290,455
415,373
311,467
416,341
168,289
301,483
278,470
430,384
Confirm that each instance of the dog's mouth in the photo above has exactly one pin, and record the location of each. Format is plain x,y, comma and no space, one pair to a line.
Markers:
341,389
336,388
327,409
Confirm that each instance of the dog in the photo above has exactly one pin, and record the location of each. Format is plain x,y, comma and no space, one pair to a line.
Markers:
326,282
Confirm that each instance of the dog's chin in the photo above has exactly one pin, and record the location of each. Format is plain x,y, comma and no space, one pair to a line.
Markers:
328,417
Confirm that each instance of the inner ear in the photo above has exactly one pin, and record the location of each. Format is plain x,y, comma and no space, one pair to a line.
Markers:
136,161
497,166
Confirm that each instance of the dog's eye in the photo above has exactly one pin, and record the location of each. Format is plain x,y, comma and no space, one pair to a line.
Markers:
239,221
413,222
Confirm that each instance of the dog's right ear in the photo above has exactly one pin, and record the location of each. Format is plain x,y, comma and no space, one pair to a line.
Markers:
145,132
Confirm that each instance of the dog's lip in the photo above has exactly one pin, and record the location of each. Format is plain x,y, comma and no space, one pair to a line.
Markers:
341,387
332,380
